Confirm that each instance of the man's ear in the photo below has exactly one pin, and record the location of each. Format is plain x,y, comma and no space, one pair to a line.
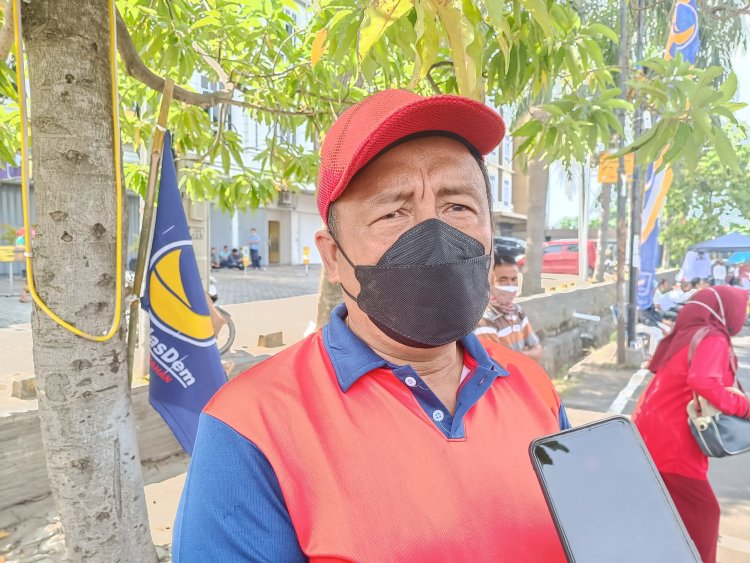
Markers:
329,253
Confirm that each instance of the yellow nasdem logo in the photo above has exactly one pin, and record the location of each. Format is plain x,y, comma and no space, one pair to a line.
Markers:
170,303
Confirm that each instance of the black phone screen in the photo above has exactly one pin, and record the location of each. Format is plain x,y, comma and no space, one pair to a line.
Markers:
606,497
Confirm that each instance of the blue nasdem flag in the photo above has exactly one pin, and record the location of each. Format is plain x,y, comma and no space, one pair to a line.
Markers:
185,362
684,38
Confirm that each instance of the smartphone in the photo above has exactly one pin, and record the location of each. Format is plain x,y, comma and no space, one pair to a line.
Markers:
606,497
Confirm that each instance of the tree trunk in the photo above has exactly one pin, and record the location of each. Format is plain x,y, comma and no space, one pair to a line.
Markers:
605,199
330,296
538,180
84,398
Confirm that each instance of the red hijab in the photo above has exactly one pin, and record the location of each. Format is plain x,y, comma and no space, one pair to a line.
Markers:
722,309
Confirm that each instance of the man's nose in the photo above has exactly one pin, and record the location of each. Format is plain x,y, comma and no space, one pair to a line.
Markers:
426,206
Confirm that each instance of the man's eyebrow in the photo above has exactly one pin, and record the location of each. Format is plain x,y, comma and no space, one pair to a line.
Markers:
468,188
389,196
393,196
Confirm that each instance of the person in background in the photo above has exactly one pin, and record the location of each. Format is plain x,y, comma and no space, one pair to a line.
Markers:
703,283
702,266
686,290
732,275
719,273
660,413
215,263
254,244
224,258
235,260
505,321
664,301
744,274
652,322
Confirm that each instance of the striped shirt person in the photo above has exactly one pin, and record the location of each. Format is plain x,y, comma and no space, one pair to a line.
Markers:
504,321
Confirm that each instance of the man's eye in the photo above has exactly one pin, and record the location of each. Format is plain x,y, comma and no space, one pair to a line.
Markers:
391,215
458,207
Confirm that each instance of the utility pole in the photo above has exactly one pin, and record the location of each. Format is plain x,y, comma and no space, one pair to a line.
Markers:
636,202
583,223
621,191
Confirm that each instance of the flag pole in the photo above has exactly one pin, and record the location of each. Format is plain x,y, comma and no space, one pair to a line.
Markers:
144,242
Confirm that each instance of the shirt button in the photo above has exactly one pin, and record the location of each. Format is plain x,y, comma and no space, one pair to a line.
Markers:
410,381
438,415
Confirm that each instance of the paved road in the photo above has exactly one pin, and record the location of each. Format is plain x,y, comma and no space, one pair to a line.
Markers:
274,283
234,287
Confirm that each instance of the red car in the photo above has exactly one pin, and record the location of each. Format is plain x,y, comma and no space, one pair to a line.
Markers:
561,257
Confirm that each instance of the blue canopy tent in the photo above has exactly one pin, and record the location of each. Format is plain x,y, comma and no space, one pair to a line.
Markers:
733,242
739,258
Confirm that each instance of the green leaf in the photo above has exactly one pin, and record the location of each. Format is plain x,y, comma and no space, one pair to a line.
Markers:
725,150
678,143
538,10
727,89
704,96
594,52
379,16
601,29
528,129
207,20
573,62
702,121
604,131
428,41
460,36
618,103
496,13
608,95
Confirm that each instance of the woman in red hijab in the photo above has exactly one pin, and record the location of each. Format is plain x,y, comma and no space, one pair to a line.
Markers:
662,417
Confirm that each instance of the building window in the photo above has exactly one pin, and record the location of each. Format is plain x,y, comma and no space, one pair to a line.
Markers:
507,192
507,150
290,27
494,156
494,187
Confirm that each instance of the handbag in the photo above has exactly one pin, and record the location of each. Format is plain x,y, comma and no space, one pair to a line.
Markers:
717,434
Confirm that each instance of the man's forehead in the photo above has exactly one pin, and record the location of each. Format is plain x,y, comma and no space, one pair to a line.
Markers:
407,160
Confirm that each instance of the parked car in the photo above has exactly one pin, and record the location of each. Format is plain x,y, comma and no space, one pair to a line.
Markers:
561,257
509,245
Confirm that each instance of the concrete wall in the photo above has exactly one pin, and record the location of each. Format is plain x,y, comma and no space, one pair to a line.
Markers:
552,317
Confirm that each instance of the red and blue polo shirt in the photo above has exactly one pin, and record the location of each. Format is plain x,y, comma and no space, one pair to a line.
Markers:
328,452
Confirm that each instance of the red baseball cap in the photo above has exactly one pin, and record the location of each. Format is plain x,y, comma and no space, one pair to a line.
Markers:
373,124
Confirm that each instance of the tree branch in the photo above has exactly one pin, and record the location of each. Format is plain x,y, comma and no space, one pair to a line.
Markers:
725,11
136,68
6,31
433,84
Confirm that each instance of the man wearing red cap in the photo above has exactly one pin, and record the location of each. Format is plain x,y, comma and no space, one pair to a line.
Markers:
391,434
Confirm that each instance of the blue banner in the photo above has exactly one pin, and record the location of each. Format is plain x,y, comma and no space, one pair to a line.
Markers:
684,38
185,363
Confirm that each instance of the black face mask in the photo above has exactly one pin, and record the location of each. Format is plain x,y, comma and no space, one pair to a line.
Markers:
430,288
